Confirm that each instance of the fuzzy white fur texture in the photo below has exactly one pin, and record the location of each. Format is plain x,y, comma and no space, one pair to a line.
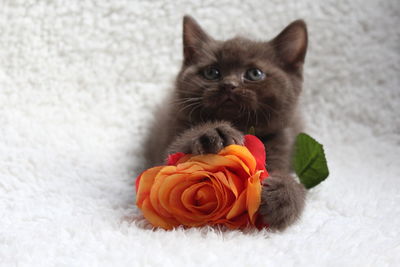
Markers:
79,81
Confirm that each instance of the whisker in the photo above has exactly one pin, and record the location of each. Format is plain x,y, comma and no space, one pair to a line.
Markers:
256,116
266,115
248,119
193,109
192,105
265,105
186,100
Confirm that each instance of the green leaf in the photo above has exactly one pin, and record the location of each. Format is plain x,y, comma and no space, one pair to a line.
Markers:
309,161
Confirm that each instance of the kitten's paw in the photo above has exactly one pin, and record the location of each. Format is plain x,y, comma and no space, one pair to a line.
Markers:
282,201
206,138
212,139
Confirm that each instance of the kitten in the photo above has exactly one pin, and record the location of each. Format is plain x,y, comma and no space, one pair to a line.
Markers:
226,87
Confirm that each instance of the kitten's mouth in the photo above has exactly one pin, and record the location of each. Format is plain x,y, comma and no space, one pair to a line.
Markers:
228,105
228,100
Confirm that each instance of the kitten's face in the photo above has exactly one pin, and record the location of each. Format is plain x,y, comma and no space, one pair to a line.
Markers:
248,83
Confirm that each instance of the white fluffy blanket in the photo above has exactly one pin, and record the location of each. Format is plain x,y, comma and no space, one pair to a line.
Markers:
79,81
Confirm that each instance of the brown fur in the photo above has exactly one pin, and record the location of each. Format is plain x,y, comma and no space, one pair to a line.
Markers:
203,115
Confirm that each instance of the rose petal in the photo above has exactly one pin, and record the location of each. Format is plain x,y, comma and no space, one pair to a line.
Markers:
204,195
243,154
253,200
146,180
225,198
239,206
213,163
176,207
174,158
189,167
200,199
257,149
166,186
154,193
189,194
245,169
236,184
152,216
222,178
235,223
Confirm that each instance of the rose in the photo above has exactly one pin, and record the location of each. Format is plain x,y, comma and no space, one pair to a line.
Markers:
197,190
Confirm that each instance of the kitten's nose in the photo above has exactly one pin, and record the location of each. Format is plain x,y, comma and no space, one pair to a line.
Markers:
229,85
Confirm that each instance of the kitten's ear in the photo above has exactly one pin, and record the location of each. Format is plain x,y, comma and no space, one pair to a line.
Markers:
291,44
193,38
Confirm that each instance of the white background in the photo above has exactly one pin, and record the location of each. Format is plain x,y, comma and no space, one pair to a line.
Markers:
79,81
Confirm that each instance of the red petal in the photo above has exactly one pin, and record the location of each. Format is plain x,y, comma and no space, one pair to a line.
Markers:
174,158
257,148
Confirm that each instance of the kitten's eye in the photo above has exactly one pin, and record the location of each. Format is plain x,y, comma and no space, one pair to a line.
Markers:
254,74
211,73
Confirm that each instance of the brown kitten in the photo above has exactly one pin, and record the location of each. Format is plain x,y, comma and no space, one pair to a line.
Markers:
226,87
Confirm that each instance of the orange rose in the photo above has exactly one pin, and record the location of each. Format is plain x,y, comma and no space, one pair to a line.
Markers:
223,188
